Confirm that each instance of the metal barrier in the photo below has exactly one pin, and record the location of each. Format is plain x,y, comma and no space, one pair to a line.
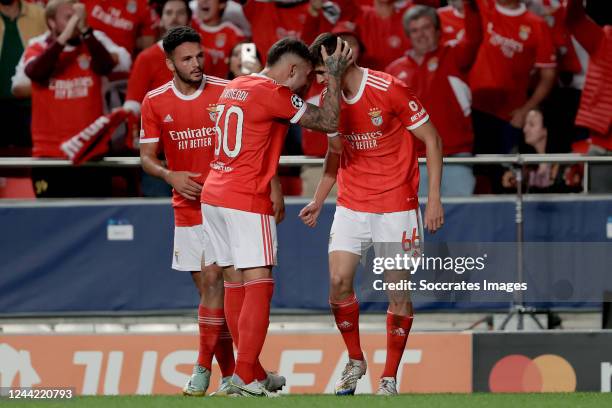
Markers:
516,159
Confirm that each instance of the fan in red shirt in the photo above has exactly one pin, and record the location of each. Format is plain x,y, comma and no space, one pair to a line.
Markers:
127,22
218,38
323,16
452,20
554,13
179,117
595,111
272,21
437,72
253,116
65,67
516,42
380,29
149,70
374,159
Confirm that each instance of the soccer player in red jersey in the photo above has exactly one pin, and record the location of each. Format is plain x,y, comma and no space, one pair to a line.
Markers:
179,117
149,70
374,159
253,115
127,22
218,38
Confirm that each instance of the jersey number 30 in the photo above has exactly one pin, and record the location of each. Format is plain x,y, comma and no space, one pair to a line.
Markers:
224,134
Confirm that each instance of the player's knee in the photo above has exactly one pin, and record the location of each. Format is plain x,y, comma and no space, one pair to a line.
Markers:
212,279
341,286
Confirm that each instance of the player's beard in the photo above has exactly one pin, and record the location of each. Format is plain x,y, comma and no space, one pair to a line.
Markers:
188,80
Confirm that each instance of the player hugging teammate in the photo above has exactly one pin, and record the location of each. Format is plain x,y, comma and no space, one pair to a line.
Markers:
234,176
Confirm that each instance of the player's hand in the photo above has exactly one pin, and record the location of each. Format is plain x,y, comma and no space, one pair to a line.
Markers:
434,215
278,205
310,213
183,184
68,32
339,61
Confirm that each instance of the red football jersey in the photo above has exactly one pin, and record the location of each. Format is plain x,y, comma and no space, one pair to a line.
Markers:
73,87
149,72
123,21
383,38
184,125
515,41
555,16
314,143
218,43
253,116
271,22
441,85
379,171
453,23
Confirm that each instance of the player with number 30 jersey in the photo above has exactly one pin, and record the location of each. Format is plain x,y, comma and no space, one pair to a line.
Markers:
253,116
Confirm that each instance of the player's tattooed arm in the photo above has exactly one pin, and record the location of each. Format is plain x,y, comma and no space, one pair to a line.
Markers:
325,118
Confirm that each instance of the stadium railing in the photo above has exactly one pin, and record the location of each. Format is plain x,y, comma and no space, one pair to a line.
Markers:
516,161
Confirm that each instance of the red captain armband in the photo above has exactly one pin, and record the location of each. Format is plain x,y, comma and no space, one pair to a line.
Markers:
93,140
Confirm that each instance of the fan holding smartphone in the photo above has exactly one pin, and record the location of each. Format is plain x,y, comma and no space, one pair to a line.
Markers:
244,60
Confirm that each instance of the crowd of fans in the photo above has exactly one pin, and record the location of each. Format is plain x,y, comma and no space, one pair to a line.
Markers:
497,76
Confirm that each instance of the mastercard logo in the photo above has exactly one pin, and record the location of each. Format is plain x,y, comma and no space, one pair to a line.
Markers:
545,373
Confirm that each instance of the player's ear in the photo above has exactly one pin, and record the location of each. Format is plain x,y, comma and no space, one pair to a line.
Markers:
170,64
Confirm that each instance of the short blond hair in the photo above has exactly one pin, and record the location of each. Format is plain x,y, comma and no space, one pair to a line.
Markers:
53,5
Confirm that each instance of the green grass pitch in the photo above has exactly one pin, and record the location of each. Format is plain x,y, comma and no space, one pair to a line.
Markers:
573,400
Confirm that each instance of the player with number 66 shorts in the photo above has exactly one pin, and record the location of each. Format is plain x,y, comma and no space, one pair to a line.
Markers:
373,158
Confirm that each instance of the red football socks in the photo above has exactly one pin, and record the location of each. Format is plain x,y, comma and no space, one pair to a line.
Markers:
398,328
233,302
224,352
346,313
211,323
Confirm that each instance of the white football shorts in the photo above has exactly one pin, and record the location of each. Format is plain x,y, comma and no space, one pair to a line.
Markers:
240,238
391,233
189,244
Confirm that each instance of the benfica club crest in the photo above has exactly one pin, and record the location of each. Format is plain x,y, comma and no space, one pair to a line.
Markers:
394,41
220,40
432,64
524,32
131,6
212,112
376,116
83,61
